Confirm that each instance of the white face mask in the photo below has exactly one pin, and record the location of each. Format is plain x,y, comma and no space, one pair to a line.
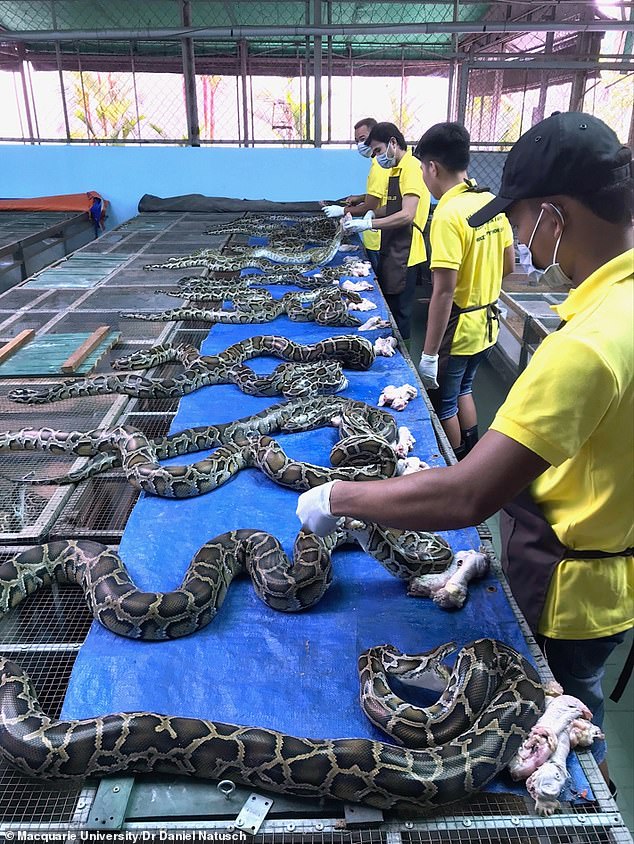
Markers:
385,160
363,149
553,272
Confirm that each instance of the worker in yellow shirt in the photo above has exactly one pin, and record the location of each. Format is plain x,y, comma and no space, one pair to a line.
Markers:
400,219
559,456
374,196
467,265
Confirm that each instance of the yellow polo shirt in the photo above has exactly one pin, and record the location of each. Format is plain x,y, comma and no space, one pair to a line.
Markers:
376,185
477,255
411,182
574,406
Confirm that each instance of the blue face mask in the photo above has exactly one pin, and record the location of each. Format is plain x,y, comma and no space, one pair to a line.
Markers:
364,150
385,160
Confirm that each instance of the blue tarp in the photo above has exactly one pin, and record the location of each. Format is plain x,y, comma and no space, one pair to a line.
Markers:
295,673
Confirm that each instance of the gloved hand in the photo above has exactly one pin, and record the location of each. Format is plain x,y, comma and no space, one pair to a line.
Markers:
333,211
428,371
313,510
358,225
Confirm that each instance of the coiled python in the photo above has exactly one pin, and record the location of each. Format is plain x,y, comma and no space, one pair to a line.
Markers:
325,306
312,370
413,782
366,450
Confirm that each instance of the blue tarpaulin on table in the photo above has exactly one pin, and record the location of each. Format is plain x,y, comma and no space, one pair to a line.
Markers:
296,673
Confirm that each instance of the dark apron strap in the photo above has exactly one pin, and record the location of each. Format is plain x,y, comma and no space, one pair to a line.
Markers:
396,245
624,676
493,315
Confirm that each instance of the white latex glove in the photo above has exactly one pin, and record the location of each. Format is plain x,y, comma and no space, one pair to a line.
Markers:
358,225
428,371
313,510
333,211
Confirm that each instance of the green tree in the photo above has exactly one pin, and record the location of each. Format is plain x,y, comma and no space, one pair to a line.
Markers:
106,112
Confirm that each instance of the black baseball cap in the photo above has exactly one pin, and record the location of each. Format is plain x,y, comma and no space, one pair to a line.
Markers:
569,153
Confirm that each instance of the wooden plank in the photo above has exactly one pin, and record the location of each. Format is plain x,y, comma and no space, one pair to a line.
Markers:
13,345
79,355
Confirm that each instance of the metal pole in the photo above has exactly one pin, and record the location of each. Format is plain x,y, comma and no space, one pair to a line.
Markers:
189,74
222,33
329,74
58,58
308,121
136,96
538,114
37,124
452,64
317,70
27,107
463,88
245,105
83,96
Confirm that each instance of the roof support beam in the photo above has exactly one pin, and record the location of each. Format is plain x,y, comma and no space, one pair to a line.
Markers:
325,30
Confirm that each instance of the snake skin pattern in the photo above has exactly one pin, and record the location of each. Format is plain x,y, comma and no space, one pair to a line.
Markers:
413,782
314,369
282,584
326,306
365,451
252,257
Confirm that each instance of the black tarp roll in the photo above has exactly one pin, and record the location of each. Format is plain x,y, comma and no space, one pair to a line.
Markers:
196,202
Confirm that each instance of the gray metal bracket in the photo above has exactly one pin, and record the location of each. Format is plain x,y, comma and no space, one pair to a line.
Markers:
253,813
365,816
111,801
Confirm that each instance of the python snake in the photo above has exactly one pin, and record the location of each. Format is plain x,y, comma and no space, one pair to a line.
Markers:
252,257
412,782
312,370
366,449
325,306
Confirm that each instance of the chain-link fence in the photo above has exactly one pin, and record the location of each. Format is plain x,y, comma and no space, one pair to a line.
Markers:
301,72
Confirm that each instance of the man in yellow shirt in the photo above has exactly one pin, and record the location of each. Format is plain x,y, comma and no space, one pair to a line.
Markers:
374,196
467,268
559,456
401,220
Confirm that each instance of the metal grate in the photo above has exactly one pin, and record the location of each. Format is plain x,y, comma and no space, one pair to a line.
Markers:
151,424
23,800
98,509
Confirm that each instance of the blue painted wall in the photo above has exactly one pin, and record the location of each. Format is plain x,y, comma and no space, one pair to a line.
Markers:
124,174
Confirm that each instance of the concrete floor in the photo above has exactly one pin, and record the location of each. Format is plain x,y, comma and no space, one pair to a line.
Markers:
489,392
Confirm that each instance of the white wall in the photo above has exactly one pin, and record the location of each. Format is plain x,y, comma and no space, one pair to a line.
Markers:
123,174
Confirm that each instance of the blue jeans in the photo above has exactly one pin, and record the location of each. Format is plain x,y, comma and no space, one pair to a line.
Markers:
579,665
457,380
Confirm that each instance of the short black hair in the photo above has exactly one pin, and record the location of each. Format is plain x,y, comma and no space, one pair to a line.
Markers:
614,203
384,132
370,122
446,143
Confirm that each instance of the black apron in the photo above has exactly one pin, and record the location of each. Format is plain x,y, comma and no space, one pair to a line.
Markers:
531,552
395,244
444,350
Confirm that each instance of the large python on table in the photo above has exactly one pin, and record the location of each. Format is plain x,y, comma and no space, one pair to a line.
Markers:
252,257
325,306
412,782
283,585
366,450
312,370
